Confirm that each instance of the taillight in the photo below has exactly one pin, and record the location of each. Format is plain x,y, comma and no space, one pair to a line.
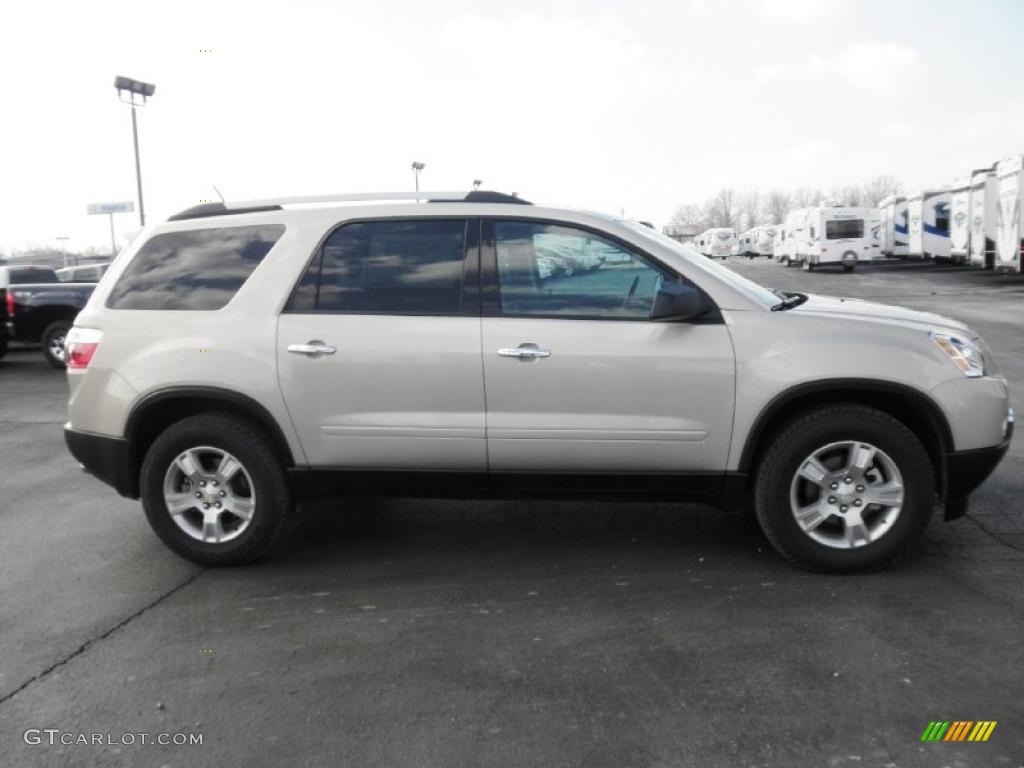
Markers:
79,347
10,304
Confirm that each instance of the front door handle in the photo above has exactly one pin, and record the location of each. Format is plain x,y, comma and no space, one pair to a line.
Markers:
314,348
525,352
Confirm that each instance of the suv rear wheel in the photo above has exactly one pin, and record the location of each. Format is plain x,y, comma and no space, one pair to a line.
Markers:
214,491
844,488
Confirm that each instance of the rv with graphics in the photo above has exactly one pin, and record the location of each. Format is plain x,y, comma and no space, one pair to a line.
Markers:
960,220
1009,240
834,235
875,228
984,201
895,227
928,211
718,242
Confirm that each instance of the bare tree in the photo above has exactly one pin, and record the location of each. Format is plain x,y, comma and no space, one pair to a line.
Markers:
849,195
689,214
720,210
805,197
878,188
749,209
777,205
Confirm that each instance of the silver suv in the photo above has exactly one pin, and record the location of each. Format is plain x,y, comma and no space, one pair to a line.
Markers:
241,358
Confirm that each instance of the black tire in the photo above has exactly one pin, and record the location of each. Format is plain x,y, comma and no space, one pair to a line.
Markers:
252,448
791,446
849,267
53,338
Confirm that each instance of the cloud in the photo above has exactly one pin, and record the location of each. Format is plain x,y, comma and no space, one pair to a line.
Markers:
880,69
796,10
877,67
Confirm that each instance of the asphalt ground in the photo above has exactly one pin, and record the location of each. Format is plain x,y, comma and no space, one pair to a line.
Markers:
453,633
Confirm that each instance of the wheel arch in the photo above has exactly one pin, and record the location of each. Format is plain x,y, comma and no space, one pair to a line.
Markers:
158,410
914,408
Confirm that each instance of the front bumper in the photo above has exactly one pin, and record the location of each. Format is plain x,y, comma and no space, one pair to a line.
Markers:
967,470
105,458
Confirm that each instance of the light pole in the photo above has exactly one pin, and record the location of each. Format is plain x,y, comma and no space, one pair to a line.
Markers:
63,248
416,168
477,183
135,88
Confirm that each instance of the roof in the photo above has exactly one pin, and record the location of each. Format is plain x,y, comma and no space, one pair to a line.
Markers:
207,210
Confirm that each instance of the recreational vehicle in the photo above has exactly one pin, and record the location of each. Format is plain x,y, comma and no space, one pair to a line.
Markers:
928,211
1009,241
792,237
834,235
960,220
757,241
718,242
984,206
895,227
778,241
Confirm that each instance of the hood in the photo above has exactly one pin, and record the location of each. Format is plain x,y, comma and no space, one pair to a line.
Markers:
858,309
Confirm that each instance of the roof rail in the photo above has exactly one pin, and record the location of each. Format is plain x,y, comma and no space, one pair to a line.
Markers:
277,203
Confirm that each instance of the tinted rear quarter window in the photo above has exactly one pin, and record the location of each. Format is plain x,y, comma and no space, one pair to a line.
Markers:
199,269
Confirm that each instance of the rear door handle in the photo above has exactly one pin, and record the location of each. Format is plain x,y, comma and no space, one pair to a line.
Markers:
314,348
526,351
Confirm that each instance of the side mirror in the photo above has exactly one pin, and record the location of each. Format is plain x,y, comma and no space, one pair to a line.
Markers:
676,301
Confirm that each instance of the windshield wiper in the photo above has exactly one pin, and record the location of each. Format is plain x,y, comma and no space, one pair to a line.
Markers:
791,300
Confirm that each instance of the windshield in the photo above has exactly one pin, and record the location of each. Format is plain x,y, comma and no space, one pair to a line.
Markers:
756,293
724,235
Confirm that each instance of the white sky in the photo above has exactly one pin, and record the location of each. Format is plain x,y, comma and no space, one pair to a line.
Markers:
604,105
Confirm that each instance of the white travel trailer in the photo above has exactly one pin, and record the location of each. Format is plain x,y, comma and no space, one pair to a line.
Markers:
960,220
984,201
792,237
836,235
758,241
1009,232
778,242
895,227
928,211
875,228
718,242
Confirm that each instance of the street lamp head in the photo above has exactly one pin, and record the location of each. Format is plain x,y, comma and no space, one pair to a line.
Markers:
133,88
418,166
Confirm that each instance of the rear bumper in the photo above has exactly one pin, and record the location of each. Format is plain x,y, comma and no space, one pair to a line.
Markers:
105,458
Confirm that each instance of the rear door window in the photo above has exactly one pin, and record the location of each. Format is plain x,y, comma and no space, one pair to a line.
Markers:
198,269
387,267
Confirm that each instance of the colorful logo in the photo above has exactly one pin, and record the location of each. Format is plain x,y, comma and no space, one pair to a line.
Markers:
958,730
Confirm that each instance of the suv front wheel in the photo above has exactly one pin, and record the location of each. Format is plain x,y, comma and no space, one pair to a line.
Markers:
844,488
214,491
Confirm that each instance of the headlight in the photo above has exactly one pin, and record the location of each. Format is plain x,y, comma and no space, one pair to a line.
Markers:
965,354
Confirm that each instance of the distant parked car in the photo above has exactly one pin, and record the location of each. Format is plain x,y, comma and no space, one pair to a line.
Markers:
86,273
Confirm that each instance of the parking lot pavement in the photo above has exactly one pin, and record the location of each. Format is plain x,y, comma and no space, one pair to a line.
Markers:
416,633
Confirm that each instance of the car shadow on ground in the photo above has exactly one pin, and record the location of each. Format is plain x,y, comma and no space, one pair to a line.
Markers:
644,536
